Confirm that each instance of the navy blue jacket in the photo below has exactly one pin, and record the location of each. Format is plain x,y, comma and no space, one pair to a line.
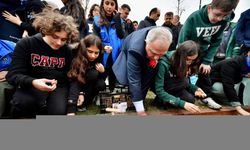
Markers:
243,29
8,30
147,22
131,67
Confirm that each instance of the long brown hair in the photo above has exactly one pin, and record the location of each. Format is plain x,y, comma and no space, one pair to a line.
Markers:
80,63
103,18
75,9
92,9
178,61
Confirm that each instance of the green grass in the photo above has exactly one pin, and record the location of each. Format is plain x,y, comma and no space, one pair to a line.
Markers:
91,110
95,110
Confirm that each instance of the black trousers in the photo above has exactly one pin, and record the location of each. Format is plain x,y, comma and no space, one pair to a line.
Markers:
178,88
27,103
205,83
94,84
110,74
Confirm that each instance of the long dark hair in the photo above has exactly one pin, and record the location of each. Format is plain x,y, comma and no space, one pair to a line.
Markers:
178,61
103,20
92,9
80,63
74,8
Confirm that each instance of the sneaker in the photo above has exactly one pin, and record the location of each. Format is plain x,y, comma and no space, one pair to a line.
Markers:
98,101
211,103
113,92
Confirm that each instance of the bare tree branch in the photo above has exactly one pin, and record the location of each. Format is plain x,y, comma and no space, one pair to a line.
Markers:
180,7
85,5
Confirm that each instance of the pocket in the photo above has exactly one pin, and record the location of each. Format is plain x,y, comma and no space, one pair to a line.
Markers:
104,36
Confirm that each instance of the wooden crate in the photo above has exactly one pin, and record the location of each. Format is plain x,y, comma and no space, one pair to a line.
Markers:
120,94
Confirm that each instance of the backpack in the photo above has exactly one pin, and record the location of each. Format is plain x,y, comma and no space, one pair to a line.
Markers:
6,51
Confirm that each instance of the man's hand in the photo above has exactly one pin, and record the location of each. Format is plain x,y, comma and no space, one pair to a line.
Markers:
71,114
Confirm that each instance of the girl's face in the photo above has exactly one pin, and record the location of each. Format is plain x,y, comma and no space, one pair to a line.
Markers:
65,1
92,53
109,7
190,59
96,11
56,40
135,25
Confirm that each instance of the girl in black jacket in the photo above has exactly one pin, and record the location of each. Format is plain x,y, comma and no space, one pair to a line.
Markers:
86,74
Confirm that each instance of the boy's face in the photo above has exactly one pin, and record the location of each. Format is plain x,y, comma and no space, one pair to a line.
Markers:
175,21
124,13
168,19
156,16
135,25
216,15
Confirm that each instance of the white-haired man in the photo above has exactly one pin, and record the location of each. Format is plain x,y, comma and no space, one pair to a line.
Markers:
136,64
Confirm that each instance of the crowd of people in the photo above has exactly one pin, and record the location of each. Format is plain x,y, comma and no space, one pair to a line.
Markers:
59,60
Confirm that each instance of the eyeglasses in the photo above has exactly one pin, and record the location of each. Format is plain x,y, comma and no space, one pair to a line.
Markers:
221,16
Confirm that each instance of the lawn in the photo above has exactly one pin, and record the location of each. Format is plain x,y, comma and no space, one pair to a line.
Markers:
95,110
156,110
